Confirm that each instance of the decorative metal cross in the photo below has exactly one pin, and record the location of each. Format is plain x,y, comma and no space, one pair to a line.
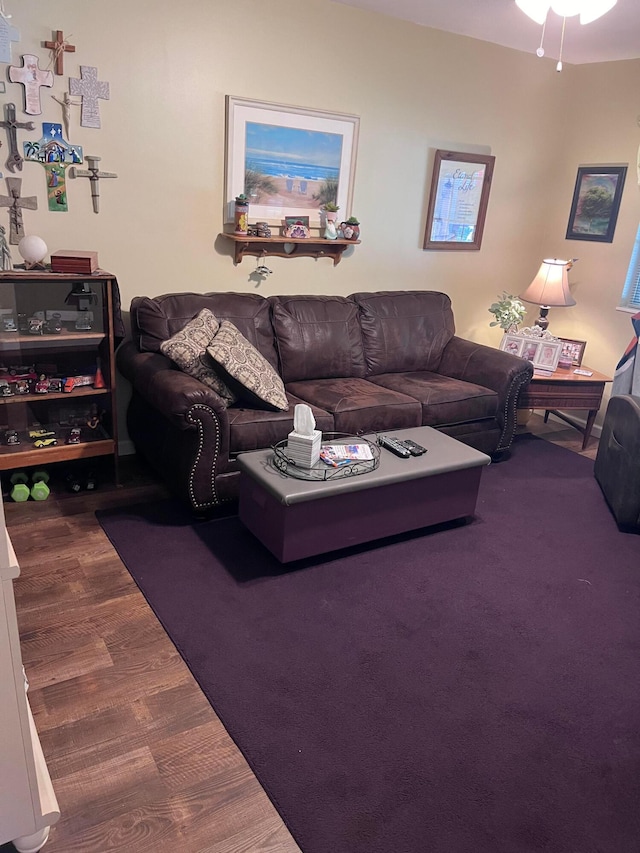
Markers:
94,174
16,205
59,48
90,88
14,160
32,78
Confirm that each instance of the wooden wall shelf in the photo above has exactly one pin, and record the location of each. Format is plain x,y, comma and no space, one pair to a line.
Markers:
308,247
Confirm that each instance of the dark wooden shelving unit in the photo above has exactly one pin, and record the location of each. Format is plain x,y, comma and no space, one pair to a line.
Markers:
25,293
307,247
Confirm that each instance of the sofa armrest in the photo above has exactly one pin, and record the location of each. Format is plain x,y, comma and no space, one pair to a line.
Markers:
504,373
617,465
170,391
178,424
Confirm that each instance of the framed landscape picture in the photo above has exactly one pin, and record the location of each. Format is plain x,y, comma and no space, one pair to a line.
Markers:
596,202
458,200
289,161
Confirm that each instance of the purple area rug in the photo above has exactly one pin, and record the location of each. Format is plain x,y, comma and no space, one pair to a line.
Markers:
470,689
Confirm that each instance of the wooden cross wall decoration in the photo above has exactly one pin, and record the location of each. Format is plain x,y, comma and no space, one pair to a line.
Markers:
59,47
90,88
16,204
32,78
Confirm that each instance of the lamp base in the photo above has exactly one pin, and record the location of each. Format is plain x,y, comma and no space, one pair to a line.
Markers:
542,320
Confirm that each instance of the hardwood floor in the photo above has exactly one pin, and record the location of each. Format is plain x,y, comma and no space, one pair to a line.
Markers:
139,760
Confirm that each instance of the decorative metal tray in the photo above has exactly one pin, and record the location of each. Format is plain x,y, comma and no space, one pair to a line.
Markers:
322,471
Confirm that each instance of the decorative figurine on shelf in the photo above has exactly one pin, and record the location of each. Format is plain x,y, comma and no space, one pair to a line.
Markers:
350,228
241,215
330,212
5,253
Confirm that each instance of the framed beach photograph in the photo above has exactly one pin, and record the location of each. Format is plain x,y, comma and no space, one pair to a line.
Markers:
458,200
596,202
572,350
289,161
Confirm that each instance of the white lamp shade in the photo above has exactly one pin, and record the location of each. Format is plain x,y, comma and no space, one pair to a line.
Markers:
551,285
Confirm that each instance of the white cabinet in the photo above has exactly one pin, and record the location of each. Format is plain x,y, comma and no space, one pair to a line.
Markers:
28,805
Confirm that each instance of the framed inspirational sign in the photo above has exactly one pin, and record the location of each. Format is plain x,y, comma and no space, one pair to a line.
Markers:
458,201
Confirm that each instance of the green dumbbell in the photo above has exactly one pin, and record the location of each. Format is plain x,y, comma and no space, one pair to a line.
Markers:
20,490
40,491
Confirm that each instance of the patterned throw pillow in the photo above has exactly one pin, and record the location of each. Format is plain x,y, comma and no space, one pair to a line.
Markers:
249,373
188,349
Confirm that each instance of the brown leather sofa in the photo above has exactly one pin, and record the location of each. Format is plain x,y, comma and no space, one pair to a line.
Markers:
369,362
617,465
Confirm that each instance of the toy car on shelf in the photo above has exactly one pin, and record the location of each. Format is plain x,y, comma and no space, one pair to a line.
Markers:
41,433
53,326
74,436
45,442
9,324
11,437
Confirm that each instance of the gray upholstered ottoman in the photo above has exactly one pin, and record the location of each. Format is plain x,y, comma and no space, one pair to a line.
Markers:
300,518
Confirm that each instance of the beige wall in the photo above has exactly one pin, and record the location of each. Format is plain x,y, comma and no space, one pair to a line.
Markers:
415,89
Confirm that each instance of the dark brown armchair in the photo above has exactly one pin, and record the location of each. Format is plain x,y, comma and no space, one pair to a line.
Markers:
617,467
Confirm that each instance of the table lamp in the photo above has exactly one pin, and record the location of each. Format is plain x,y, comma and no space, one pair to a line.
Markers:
550,288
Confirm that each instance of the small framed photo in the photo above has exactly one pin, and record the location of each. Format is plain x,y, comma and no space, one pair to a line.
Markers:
296,230
543,353
572,351
511,344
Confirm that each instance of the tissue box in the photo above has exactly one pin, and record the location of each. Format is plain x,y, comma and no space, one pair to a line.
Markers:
304,450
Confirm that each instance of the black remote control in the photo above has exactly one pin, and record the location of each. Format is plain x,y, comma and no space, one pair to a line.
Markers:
413,448
394,446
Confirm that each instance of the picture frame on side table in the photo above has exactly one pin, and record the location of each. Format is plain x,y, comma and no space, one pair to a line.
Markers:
572,350
596,202
540,348
289,161
458,200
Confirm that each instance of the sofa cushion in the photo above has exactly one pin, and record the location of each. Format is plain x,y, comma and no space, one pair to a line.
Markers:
255,429
318,337
359,406
188,349
154,320
443,400
404,330
249,373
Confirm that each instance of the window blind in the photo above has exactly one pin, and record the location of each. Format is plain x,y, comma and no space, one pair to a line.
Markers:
631,292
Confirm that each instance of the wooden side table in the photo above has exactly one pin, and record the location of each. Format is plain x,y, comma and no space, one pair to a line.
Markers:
565,389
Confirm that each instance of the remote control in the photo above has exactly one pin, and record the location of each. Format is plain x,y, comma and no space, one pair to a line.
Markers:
413,448
394,446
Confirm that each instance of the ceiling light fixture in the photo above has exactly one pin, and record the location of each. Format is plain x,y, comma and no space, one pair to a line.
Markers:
589,10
